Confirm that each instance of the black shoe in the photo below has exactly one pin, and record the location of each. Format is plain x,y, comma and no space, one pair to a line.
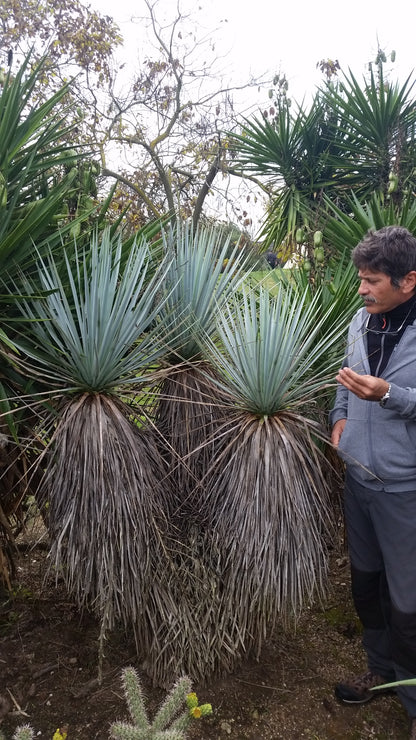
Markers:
357,689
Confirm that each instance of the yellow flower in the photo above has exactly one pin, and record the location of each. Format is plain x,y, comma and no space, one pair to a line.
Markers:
195,712
60,734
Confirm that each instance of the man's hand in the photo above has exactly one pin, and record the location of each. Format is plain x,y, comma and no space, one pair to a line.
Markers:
337,430
367,387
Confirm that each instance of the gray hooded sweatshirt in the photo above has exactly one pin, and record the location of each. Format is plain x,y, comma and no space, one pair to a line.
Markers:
378,443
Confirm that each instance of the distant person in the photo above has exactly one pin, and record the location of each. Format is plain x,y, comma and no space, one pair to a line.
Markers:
272,259
374,429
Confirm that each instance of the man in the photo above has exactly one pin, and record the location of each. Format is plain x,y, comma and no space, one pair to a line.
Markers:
374,429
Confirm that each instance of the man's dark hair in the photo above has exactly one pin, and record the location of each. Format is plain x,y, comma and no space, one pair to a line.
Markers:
391,250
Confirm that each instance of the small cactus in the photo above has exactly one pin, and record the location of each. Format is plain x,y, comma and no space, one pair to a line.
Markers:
24,732
171,720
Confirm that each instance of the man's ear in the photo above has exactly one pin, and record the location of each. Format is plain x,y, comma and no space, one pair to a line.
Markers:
408,283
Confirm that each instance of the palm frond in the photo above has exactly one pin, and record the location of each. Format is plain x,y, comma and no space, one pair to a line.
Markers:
269,346
35,162
199,281
344,229
102,329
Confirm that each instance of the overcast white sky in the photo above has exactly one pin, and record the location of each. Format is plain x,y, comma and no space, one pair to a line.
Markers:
261,36
264,37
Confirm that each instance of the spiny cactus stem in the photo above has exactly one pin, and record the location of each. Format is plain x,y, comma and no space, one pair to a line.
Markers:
173,704
135,698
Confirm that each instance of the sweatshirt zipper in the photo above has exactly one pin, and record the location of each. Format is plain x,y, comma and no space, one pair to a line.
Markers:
381,355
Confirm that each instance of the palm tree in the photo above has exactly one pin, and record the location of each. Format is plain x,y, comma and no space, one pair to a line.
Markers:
292,153
93,337
204,272
44,182
266,492
356,137
376,131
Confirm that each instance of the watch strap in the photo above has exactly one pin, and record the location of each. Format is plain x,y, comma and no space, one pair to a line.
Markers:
386,396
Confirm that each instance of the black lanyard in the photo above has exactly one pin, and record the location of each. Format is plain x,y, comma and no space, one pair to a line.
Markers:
384,332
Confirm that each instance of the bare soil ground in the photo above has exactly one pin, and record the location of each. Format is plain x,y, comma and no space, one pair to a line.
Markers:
48,669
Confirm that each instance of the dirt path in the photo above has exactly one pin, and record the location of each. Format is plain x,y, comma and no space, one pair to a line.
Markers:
48,668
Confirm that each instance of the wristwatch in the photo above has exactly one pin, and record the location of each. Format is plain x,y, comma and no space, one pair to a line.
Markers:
386,396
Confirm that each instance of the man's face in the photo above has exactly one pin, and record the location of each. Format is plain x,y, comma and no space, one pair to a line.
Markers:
379,295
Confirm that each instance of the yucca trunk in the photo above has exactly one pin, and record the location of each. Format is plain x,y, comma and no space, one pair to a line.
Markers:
105,508
189,411
267,503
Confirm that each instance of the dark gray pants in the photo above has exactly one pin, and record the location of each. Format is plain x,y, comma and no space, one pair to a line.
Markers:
381,531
